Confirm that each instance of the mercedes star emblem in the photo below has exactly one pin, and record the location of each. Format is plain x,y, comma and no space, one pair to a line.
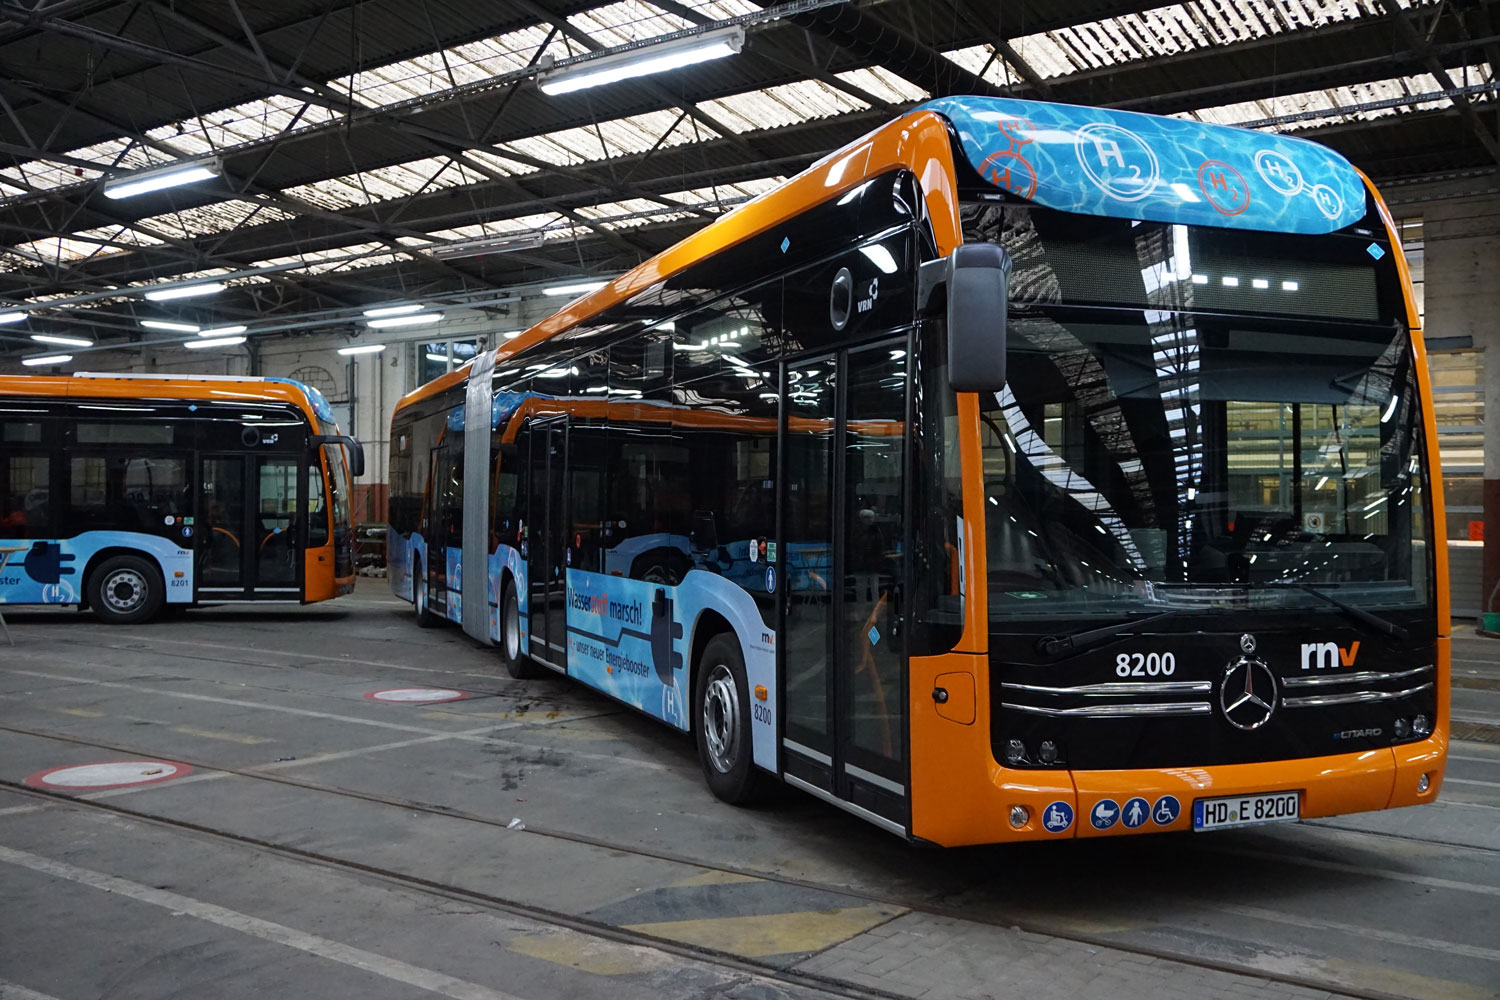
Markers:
1248,693
1247,643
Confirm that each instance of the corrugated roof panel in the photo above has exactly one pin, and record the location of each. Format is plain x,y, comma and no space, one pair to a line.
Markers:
780,106
120,154
619,137
216,218
82,245
628,21
1332,98
1163,31
249,122
882,83
740,189
432,72
398,180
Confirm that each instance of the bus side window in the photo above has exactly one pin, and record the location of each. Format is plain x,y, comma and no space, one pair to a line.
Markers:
25,497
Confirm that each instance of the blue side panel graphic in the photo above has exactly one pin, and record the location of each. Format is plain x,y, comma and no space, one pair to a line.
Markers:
398,563
48,571
631,639
455,568
1123,164
506,557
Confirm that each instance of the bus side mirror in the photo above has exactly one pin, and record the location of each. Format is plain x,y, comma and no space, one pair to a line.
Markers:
356,451
976,279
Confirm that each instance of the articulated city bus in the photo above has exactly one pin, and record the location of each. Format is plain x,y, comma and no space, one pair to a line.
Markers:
131,494
1019,471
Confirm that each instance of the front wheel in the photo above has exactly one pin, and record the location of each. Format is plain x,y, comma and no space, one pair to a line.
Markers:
517,663
425,617
126,590
722,701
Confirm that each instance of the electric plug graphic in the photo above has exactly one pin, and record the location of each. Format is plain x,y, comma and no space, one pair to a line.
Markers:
44,563
663,631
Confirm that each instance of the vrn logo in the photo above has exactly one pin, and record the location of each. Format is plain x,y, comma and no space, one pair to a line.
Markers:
1327,655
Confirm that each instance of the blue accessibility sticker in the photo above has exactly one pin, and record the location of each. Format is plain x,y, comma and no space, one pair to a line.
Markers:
1166,810
1057,817
770,579
1105,814
1135,813
1375,250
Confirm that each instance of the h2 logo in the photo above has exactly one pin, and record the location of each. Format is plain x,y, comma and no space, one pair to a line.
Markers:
1328,655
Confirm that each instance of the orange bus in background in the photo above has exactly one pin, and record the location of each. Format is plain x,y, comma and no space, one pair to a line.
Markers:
1019,471
131,494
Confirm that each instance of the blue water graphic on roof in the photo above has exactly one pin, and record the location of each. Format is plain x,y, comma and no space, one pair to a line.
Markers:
315,398
1123,164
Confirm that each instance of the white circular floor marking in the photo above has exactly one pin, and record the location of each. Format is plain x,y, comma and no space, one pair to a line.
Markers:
107,774
417,696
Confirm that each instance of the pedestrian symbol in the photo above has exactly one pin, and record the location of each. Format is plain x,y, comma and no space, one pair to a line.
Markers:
1057,817
1105,815
1166,810
1134,814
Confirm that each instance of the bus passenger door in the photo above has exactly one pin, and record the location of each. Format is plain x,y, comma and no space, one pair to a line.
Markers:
842,562
250,533
547,541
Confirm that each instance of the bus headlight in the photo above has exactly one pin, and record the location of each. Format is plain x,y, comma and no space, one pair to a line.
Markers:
1424,782
1421,725
1015,752
1048,752
1403,729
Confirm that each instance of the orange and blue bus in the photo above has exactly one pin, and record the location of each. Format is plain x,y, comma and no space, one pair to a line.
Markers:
131,495
1018,471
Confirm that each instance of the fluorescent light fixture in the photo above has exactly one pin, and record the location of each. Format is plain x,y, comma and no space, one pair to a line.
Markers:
578,288
1288,286
1390,407
1230,281
651,58
363,349
483,245
1200,279
441,359
184,291
11,317
161,324
48,359
194,345
222,331
407,309
415,319
174,175
57,338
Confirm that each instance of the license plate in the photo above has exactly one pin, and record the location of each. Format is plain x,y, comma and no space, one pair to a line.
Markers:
1246,810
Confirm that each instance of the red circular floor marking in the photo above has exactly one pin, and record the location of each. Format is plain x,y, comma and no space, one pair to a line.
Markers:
416,696
107,774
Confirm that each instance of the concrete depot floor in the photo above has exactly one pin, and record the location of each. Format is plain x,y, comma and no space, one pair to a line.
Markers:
535,840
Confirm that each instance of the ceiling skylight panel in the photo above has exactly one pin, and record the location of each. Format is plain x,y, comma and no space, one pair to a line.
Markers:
708,196
428,74
882,83
721,10
252,121
500,164
977,57
776,107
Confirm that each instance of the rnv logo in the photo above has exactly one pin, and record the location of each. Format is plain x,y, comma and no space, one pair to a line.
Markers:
1327,655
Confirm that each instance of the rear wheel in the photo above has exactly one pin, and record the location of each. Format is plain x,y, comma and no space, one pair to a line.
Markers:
125,590
512,653
425,617
722,700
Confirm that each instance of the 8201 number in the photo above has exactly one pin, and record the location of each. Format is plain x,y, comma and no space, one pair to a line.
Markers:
1145,664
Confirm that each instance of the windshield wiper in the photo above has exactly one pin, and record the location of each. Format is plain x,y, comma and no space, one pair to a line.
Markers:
1061,645
1389,628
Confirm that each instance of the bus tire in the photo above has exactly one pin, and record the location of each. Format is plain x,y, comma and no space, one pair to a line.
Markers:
721,701
126,590
517,663
425,618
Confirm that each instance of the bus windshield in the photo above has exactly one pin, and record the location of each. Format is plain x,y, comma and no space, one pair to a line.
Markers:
1201,419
